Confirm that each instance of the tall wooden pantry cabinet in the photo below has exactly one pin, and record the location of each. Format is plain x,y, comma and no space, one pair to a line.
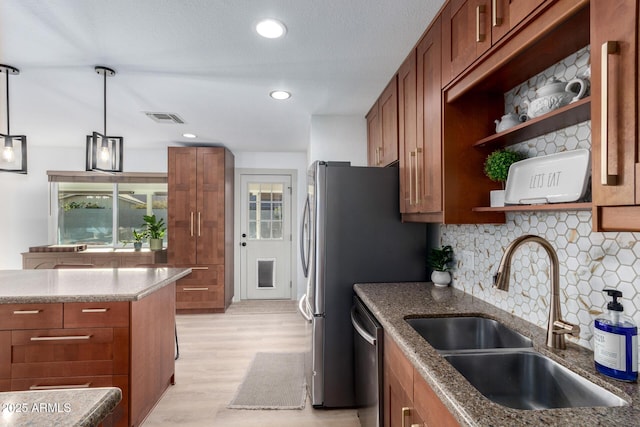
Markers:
200,226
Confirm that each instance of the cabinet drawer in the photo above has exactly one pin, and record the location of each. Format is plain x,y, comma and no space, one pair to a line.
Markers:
69,352
96,314
199,296
30,316
203,275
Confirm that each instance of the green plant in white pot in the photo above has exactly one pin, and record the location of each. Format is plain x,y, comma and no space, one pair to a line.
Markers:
496,168
155,231
440,260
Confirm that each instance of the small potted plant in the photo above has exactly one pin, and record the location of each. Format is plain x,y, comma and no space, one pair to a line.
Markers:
496,167
440,260
155,231
138,236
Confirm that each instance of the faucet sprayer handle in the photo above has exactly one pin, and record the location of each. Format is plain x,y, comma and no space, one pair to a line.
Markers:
563,327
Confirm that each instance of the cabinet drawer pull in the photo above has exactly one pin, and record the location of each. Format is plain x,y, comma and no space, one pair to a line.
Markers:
479,35
496,20
199,268
26,311
606,178
95,310
54,387
405,413
195,289
67,337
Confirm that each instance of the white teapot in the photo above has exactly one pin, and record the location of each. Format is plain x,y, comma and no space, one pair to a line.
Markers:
508,121
555,94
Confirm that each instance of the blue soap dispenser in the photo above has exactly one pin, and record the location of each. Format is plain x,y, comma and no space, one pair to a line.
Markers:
615,342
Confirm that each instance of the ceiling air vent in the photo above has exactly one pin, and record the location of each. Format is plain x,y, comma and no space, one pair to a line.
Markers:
167,118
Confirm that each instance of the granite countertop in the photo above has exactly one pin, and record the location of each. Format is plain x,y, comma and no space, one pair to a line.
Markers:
57,408
84,285
392,302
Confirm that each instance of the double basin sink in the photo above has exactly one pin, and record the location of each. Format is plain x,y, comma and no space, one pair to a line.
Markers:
502,365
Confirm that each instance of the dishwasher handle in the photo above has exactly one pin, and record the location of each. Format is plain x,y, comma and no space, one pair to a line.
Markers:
360,329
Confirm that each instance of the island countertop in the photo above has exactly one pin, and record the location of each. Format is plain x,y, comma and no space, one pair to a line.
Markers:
73,407
84,285
391,303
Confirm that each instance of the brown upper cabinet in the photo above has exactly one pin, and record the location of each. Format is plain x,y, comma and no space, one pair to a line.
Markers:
420,130
471,27
382,127
614,111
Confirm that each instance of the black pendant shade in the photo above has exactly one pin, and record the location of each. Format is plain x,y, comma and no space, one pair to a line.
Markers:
13,157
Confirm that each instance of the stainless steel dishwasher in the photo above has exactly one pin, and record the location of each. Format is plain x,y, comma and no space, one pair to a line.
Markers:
367,342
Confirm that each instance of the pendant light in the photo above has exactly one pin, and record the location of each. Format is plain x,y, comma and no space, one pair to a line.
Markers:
10,160
104,153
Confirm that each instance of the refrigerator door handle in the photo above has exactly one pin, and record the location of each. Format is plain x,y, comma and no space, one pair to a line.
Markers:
360,329
305,242
302,308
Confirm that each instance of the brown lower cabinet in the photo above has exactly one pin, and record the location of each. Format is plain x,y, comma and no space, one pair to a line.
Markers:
129,345
408,399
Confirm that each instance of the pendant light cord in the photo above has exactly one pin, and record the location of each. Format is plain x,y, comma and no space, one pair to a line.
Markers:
8,121
105,103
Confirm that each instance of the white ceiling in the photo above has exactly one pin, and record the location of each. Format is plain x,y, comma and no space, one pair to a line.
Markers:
202,60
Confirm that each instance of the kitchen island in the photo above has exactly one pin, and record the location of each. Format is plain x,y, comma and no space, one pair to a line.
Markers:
75,407
82,328
391,303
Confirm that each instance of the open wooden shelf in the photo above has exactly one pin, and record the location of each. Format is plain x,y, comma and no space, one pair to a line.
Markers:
581,206
568,115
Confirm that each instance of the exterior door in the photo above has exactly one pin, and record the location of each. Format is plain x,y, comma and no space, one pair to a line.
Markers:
266,239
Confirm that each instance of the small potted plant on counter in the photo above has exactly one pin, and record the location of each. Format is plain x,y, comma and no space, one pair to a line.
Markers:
138,237
440,260
155,231
496,167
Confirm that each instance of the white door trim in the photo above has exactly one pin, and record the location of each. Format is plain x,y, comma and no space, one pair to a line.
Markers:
238,293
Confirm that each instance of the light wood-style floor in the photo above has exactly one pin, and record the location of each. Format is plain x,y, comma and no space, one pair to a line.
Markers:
216,351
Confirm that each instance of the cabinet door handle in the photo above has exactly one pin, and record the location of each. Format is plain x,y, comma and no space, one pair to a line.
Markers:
606,178
95,310
54,387
198,224
496,20
381,155
412,155
418,152
405,413
195,289
26,311
191,223
68,337
199,268
479,35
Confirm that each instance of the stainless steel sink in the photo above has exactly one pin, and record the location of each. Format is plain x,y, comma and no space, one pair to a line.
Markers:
529,380
467,333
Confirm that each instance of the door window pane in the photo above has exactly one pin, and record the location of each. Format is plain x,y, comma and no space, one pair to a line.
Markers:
265,211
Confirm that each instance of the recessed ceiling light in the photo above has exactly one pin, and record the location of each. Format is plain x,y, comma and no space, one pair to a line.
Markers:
271,28
280,94
188,135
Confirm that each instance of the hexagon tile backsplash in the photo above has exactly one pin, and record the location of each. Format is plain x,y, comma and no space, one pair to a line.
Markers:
589,261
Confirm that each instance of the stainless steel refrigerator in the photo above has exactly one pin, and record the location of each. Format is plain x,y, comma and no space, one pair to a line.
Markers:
351,232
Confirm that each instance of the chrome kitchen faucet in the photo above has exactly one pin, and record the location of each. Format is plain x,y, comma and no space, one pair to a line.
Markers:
556,327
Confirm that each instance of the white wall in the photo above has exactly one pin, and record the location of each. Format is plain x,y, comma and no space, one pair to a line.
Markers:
338,138
24,198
